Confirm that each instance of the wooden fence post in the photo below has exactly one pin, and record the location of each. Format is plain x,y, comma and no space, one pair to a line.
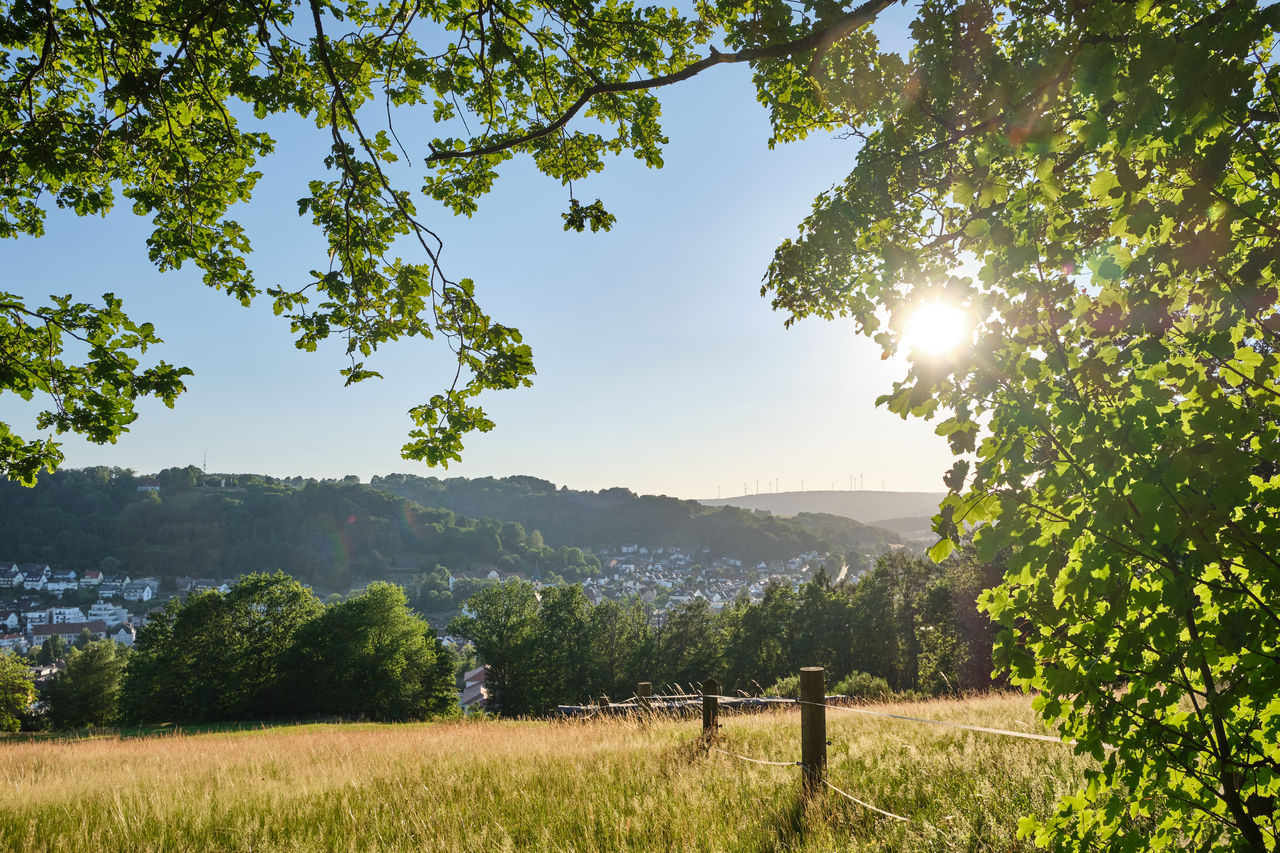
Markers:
644,693
813,727
710,707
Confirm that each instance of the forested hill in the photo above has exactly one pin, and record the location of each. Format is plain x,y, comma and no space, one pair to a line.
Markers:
330,534
615,516
181,522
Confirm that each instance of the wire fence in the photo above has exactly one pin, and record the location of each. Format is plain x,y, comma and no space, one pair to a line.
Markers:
683,702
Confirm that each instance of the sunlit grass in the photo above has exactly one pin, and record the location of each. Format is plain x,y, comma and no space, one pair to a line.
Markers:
573,786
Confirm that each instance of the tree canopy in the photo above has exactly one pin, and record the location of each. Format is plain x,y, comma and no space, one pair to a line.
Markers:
1092,183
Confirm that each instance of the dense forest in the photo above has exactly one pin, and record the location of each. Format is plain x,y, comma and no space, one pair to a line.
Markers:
613,516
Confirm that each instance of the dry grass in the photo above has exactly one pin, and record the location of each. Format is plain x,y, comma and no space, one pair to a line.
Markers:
574,786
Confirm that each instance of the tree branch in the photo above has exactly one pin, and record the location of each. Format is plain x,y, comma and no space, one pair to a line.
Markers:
818,40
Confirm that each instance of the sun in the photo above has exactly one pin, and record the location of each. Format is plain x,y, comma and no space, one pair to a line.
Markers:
936,329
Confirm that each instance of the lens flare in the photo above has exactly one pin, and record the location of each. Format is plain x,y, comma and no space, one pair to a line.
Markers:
936,329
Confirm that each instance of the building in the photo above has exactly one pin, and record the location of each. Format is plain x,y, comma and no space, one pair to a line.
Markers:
34,575
474,692
68,631
61,581
105,611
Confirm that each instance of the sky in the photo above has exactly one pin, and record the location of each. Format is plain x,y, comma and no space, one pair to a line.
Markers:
660,367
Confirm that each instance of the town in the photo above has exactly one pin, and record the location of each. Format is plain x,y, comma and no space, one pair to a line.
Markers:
38,602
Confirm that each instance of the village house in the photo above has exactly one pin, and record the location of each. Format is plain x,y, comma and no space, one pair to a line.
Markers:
13,642
112,587
136,591
31,618
60,581
91,578
34,575
10,575
474,691
68,631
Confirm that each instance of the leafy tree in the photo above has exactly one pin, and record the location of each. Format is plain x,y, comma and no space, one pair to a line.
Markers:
87,694
16,691
1093,184
621,648
690,645
51,649
219,657
501,621
369,656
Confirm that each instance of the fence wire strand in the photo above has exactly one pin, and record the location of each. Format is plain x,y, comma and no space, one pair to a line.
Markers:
985,729
757,760
865,805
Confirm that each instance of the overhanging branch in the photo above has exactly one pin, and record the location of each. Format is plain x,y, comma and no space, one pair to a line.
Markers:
819,41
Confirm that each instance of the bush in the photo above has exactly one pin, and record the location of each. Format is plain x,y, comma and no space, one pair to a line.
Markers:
861,685
785,688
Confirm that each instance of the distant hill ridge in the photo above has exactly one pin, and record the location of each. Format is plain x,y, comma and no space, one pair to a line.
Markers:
866,506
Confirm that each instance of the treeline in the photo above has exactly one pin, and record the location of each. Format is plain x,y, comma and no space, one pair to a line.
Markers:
333,534
613,516
266,650
909,625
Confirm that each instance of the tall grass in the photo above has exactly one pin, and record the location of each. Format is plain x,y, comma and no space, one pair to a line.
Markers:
571,786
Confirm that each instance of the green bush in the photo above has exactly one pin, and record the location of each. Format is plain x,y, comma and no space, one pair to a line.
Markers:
786,688
861,685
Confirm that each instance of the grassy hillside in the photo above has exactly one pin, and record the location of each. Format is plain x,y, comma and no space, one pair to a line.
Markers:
572,786
867,506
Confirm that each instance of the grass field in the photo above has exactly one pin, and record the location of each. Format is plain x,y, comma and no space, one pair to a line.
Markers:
565,786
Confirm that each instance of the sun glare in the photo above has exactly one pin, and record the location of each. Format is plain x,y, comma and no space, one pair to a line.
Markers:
937,328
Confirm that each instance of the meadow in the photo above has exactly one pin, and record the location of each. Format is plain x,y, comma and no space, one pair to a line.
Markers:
483,785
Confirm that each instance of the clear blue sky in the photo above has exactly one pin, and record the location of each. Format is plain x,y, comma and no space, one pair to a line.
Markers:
660,367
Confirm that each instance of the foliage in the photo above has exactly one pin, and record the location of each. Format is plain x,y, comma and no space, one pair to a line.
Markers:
88,692
370,657
16,691
219,656
787,687
1094,184
861,685
550,648
52,649
268,649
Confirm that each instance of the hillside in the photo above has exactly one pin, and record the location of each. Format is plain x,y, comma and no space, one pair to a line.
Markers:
605,785
182,522
868,507
614,516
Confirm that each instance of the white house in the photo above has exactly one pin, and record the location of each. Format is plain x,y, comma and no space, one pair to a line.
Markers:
62,615
93,578
135,591
10,575
34,575
105,611
61,581
125,635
